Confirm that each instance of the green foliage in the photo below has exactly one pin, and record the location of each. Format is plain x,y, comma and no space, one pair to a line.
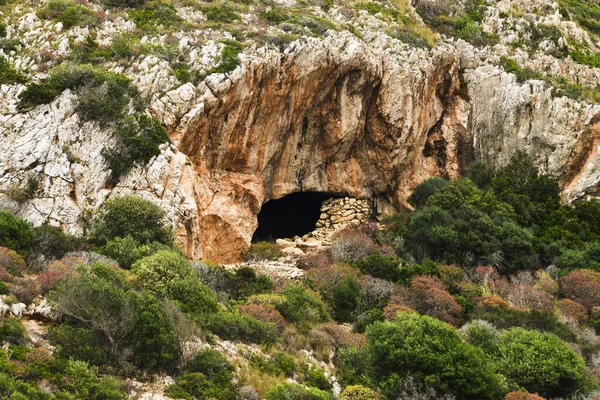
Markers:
16,233
68,13
220,13
382,266
126,251
294,391
235,326
52,242
155,16
9,75
432,352
584,12
82,381
541,363
138,140
124,3
301,306
345,299
157,345
13,331
130,216
358,392
229,59
263,251
425,189
77,343
170,275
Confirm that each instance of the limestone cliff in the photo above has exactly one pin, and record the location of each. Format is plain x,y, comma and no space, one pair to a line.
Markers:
367,115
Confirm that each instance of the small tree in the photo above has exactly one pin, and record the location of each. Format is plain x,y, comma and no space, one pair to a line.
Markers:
425,189
15,233
130,215
431,352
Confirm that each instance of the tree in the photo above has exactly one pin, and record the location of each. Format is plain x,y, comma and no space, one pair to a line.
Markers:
15,233
431,352
170,275
425,189
130,215
541,363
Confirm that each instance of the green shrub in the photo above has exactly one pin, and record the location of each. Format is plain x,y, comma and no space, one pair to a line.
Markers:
220,13
12,388
316,378
9,75
212,364
263,251
12,262
228,59
301,306
130,216
425,189
170,275
195,385
82,381
541,363
156,342
52,242
16,233
69,13
379,265
235,326
155,16
78,343
432,352
126,251
124,3
13,331
138,139
359,392
294,391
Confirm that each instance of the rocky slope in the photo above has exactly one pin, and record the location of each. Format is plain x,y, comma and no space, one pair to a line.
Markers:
352,110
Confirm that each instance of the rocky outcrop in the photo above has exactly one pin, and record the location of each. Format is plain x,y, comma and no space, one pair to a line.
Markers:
366,118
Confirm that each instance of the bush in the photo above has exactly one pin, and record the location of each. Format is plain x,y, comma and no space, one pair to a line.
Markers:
263,251
573,310
234,326
52,242
212,364
430,351
301,306
583,287
11,262
170,275
228,59
358,392
9,75
195,385
350,245
131,216
294,391
68,13
138,140
126,251
16,233
541,363
265,313
220,13
380,266
155,15
13,331
78,343
429,297
522,396
425,189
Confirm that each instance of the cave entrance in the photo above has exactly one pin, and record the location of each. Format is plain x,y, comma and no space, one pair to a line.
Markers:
293,215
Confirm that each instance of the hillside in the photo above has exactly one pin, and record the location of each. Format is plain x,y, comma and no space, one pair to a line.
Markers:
299,200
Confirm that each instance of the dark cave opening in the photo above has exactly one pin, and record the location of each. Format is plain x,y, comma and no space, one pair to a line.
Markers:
291,215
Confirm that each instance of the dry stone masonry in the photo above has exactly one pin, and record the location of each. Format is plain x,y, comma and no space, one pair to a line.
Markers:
336,214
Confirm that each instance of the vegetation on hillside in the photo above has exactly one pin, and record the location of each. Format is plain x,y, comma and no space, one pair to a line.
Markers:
488,289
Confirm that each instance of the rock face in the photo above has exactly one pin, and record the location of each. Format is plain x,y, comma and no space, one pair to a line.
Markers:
367,119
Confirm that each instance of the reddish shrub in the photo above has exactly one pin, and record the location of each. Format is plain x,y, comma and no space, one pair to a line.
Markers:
26,289
351,245
491,281
314,260
522,396
527,297
53,274
582,286
343,335
432,299
326,278
573,310
391,310
374,291
265,313
490,303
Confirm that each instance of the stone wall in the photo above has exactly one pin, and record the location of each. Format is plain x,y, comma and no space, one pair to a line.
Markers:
336,214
